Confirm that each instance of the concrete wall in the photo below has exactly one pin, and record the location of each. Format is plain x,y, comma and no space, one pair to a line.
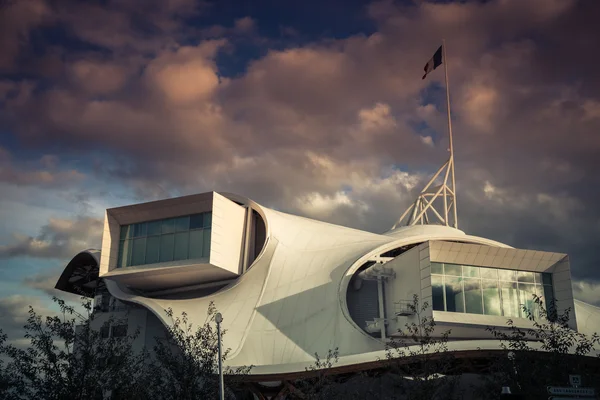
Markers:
412,277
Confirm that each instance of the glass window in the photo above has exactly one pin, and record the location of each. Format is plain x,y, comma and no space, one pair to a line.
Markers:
490,291
550,306
472,272
451,269
196,221
126,232
120,259
152,248
208,220
525,276
181,246
139,229
473,300
104,331
196,241
436,268
526,292
182,224
454,294
119,331
126,257
489,273
168,225
507,275
510,301
206,243
138,256
437,289
167,244
491,297
165,240
154,228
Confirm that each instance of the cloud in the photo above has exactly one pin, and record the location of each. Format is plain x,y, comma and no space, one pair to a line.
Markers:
14,313
587,292
338,123
60,239
45,173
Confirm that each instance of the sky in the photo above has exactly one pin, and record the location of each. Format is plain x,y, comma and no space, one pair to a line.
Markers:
316,108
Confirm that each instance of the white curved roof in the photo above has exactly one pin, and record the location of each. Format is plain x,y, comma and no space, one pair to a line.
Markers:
291,303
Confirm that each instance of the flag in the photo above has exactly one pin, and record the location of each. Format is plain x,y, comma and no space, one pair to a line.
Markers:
435,62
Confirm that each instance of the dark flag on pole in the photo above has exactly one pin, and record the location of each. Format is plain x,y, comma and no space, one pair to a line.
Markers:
435,62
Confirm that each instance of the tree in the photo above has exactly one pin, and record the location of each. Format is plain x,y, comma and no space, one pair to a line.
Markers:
68,359
422,357
542,355
185,362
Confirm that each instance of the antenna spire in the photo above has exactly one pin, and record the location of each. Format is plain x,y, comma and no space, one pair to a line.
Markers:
419,211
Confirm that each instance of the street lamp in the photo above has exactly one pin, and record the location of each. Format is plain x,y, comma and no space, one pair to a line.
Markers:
219,319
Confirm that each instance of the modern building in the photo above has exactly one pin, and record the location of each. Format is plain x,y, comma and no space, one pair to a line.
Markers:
289,287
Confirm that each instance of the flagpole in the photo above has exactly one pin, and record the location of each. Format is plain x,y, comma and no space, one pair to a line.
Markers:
450,133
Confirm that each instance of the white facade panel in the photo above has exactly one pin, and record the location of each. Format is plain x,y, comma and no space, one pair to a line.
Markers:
227,233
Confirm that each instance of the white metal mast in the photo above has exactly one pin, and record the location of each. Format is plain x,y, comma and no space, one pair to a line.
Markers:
424,206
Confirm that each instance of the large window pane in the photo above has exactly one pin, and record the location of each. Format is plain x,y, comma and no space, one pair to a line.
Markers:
452,269
525,276
154,228
168,225
207,220
510,301
182,224
139,229
489,273
139,251
126,232
437,289
473,301
196,242
507,275
120,259
126,257
471,272
181,246
152,249
196,221
436,268
550,306
167,244
206,243
526,292
538,278
454,294
547,278
491,297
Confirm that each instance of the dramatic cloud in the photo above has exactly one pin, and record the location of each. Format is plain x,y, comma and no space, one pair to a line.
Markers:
60,239
341,129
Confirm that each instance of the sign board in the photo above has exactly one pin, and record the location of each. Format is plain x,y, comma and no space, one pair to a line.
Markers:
571,391
575,380
564,398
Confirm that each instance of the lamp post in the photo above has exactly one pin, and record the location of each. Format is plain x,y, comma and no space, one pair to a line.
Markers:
219,319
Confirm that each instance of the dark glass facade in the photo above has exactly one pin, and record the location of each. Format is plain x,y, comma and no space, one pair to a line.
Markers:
165,240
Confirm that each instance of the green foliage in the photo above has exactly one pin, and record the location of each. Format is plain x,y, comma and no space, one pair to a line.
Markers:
421,357
67,359
185,361
542,355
